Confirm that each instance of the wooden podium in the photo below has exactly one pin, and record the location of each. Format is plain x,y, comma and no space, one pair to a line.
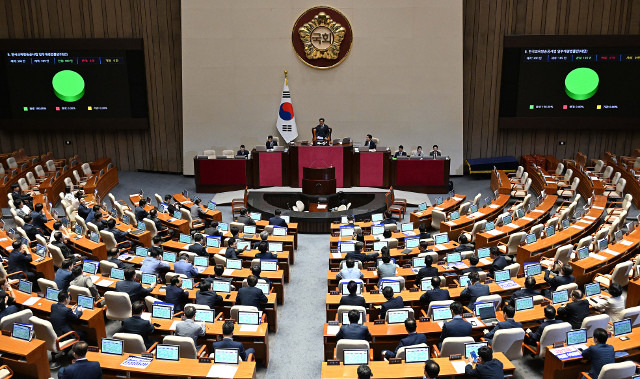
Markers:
318,181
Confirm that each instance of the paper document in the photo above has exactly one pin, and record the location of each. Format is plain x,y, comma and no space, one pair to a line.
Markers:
476,215
609,251
336,255
104,283
439,247
333,329
494,232
527,218
485,261
598,257
222,371
30,301
457,198
322,206
494,206
228,271
459,366
136,362
626,242
249,328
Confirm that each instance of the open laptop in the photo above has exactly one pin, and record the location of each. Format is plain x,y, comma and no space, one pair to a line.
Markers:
168,352
248,318
356,357
394,284
377,217
269,265
441,238
249,231
111,346
622,327
416,354
346,247
502,275
412,243
486,311
200,263
22,331
560,297
484,252
221,286
205,315
378,245
532,269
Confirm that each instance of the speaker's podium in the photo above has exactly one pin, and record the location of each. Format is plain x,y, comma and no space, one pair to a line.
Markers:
318,181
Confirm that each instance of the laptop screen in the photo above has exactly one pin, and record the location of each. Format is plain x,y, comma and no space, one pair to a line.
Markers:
454,215
149,278
416,354
286,219
244,244
275,246
484,252
489,226
441,313
487,304
162,208
226,356
395,285
22,331
439,200
52,294
622,327
583,252
565,223
204,315
377,229
576,337
280,232
345,318
94,237
531,238
141,251
473,346
177,215
425,284
377,217
162,310
169,256
213,241
592,289
602,244
422,207
344,219
269,264
248,318
117,273
524,303
264,287
533,269
454,257
507,220
249,229
168,352
345,291
346,247
90,267
187,283
398,316
411,243
464,280
211,206
550,231
111,346
558,297
618,235
223,226
441,238
221,286
487,313
234,264
25,286
520,212
502,275
141,226
473,208
346,231
85,302
40,250
406,227
418,262
356,357
185,238
255,216
78,228
378,245
201,261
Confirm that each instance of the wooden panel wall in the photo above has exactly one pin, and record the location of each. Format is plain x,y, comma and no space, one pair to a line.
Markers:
156,21
485,24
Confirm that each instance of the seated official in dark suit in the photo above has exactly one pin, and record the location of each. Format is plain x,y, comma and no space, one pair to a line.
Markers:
474,290
353,330
256,270
242,152
198,246
137,325
271,143
251,295
81,367
264,252
424,234
431,369
358,255
436,294
19,260
277,220
112,256
176,295
30,229
168,199
140,212
352,298
134,289
369,142
118,234
400,153
391,303
264,237
499,261
528,290
58,241
428,271
232,250
388,218
228,342
412,339
153,216
206,296
244,217
92,215
39,219
83,210
473,262
212,230
486,367
575,311
600,353
435,152
322,130
556,280
457,327
549,319
464,245
62,316
17,195
508,311
63,275
100,222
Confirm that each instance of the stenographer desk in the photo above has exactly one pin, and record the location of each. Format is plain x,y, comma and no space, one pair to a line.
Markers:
215,175
425,175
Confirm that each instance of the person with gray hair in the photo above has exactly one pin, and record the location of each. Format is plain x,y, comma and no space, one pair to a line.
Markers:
189,328
264,235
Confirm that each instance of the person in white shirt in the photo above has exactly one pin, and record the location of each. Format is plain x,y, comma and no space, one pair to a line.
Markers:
350,271
614,305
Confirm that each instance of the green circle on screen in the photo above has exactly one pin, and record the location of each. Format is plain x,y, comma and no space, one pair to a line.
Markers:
68,86
581,83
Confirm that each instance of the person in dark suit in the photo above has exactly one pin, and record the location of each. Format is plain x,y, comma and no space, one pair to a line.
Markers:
232,250
464,244
198,246
112,256
352,298
218,271
353,330
412,339
358,255
228,342
83,210
118,234
39,218
244,217
322,130
251,295
242,152
81,367
134,289
486,367
388,218
170,207
19,260
277,220
160,227
400,153
474,290
575,311
499,261
436,294
62,316
100,222
369,142
528,290
508,311
137,325
271,143
212,230
555,281
63,275
91,217
428,271
30,229
457,327
431,369
549,319
140,212
473,262
424,234
264,237
205,296
264,252
16,195
434,152
600,353
391,303
176,295
257,270
184,267
58,241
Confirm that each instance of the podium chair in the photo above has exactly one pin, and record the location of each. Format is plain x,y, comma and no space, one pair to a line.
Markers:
315,136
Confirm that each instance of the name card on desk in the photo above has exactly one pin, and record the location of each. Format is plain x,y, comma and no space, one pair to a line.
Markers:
30,301
336,255
494,206
476,215
508,284
136,362
228,271
609,251
626,242
333,329
249,328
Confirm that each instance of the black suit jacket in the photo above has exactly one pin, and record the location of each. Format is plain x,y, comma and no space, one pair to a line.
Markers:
435,153
246,220
210,298
457,327
426,272
266,255
362,257
31,231
134,289
473,292
83,211
574,312
176,296
198,249
322,131
370,144
354,332
400,154
228,343
251,296
353,300
277,221
64,249
434,295
471,269
557,281
523,292
118,234
394,303
137,325
141,213
82,369
62,317
599,355
499,264
489,370
271,144
231,253
243,153
18,261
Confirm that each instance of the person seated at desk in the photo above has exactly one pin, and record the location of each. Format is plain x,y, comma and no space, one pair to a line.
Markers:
30,229
176,295
424,234
99,221
58,241
464,244
364,372
134,289
63,275
391,303
257,270
140,212
113,257
388,219
413,338
264,236
171,208
152,265
198,246
234,232
212,230
271,143
358,255
21,208
242,152
228,342
81,368
232,250
434,152
119,235
508,311
576,310
428,270
83,210
418,152
251,295
350,271
369,142
436,294
431,369
352,298
19,260
184,267
39,218
528,290
58,227
218,271
137,325
264,253
423,247
400,152
92,215
486,367
206,296
473,263
196,210
79,280
322,130
27,199
474,290
499,261
277,220
549,319
190,328
457,327
387,269
153,216
556,281
243,218
614,305
600,353
353,330
62,316
7,301
156,243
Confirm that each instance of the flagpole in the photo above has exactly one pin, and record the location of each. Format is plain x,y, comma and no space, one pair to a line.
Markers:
286,81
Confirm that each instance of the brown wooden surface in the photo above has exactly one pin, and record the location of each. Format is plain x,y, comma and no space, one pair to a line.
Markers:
26,359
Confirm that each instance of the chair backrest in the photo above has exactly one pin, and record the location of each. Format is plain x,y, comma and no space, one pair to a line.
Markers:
575,183
300,206
56,254
76,176
401,351
478,227
40,171
454,345
43,330
616,177
437,217
497,300
238,225
345,344
150,226
599,165
46,283
513,269
133,343
210,153
51,166
92,227
570,287
624,369
86,169
118,305
245,308
106,266
476,199
108,239
346,308
186,215
132,217
607,172
514,241
158,198
509,342
391,227
563,254
559,169
80,221
464,208
170,275
397,279
187,346
552,334
11,163
22,317
553,221
591,323
22,183
524,177
149,301
228,153
438,303
620,273
74,291
620,185
537,230
519,171
633,314
586,241
220,260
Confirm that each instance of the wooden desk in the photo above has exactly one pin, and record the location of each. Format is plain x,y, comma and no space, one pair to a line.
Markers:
447,206
209,214
633,185
500,182
26,359
111,366
103,183
633,293
382,369
218,175
397,254
541,181
465,223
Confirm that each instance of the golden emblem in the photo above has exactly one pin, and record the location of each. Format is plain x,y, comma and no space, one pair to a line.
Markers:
322,37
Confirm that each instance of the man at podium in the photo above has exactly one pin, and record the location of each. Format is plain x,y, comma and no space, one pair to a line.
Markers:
322,130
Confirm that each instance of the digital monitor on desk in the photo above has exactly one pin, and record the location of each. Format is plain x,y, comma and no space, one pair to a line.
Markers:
378,245
213,241
620,328
406,227
524,303
117,273
454,257
473,346
422,207
111,346
531,238
226,356
141,251
592,289
377,217
25,286
221,286
441,313
411,243
248,318
355,357
52,294
275,247
576,337
425,284
346,247
234,264
279,231
559,297
502,275
441,238
532,269
149,278
418,262
168,352
185,238
484,304
85,302
346,231
416,354
484,252
345,318
90,267
397,316
204,315
394,284
249,229
377,229
269,264
162,310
